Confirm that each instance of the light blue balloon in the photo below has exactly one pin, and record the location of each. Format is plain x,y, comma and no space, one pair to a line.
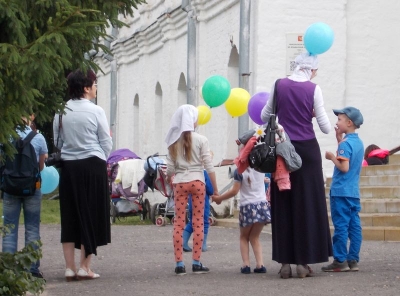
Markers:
50,179
318,38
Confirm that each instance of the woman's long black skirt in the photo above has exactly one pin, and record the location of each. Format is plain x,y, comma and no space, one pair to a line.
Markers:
300,228
85,204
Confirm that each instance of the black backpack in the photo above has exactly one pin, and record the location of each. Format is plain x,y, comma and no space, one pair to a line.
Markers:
20,175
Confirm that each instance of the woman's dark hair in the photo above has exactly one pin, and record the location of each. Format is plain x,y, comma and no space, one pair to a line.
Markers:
77,81
369,149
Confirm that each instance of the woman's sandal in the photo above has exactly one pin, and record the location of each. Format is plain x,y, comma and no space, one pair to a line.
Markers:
70,275
85,275
304,271
286,271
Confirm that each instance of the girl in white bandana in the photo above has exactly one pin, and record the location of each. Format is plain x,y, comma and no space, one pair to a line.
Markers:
188,156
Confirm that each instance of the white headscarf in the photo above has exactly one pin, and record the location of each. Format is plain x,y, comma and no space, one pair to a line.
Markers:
305,63
183,120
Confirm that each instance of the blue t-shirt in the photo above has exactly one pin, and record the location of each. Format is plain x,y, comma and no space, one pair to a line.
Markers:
350,149
38,142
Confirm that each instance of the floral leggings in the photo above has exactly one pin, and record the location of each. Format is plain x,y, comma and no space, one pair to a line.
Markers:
181,191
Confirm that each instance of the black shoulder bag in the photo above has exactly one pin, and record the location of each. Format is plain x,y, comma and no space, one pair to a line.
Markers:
55,158
262,157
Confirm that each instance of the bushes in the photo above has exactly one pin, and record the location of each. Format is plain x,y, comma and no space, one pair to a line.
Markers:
15,278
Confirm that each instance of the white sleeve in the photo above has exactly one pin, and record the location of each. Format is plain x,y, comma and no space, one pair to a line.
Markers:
56,132
103,133
320,113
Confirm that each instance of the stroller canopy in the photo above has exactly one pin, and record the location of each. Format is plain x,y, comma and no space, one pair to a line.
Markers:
120,154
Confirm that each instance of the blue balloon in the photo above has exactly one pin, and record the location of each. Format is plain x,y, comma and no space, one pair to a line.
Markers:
318,38
50,179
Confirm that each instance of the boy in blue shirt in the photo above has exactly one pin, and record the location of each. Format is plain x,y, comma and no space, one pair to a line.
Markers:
345,191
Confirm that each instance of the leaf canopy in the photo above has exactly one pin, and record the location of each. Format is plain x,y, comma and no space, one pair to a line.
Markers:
41,41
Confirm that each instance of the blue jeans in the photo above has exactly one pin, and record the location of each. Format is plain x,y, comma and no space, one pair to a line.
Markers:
347,223
11,211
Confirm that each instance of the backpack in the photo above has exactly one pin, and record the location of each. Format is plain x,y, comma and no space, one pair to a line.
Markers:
20,175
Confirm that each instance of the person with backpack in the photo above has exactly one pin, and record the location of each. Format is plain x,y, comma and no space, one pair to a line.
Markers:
24,192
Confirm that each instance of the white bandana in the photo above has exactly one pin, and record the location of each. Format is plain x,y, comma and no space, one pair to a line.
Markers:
183,120
305,63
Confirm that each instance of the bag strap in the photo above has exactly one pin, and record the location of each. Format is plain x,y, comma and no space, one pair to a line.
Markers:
274,98
28,139
272,118
59,127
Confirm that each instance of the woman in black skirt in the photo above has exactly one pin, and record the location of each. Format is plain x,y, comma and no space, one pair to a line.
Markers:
300,228
84,139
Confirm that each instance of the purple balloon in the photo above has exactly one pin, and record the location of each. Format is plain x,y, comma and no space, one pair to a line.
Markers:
256,104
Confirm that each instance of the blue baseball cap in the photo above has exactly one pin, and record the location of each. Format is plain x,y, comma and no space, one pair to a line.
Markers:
353,113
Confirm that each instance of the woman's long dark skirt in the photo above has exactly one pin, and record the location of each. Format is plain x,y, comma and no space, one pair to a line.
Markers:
300,228
85,204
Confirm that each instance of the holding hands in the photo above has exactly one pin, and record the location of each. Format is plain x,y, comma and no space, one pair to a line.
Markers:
216,198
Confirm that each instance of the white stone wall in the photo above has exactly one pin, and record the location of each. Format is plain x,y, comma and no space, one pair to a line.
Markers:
359,70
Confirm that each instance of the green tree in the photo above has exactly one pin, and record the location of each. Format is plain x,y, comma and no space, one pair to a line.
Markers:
40,42
14,276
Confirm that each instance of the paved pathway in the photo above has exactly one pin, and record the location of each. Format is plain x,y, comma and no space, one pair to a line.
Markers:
140,262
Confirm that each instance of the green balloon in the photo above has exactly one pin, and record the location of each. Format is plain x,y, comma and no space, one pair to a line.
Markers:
216,90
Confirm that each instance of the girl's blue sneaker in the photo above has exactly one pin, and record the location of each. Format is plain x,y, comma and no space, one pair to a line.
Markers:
245,270
262,269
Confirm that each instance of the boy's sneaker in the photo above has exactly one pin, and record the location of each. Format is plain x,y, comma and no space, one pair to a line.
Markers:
180,270
336,266
262,269
200,268
353,265
245,269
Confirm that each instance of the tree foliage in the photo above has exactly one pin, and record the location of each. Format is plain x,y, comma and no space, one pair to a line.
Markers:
40,42
15,278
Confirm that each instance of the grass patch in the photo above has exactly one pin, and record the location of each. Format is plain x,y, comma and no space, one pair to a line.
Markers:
51,214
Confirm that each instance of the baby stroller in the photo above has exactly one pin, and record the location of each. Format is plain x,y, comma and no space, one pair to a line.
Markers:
155,178
124,168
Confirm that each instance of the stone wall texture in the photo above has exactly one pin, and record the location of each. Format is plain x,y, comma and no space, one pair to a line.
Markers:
359,70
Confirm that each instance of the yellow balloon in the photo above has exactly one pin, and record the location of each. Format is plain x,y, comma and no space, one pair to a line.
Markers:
236,104
204,114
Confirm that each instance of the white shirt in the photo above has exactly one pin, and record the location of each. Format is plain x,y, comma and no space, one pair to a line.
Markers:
84,133
252,188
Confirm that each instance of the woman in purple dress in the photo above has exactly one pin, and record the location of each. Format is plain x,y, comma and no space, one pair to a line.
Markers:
300,228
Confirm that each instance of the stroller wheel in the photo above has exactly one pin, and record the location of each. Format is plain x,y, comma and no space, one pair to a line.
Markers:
173,220
160,221
211,221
